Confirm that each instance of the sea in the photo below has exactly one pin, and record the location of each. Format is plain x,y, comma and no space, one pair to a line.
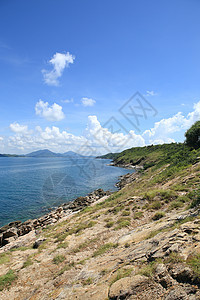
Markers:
31,187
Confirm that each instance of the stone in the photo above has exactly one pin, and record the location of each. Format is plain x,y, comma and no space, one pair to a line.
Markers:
38,243
137,286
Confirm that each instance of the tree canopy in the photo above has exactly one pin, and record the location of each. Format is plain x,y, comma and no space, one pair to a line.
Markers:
193,136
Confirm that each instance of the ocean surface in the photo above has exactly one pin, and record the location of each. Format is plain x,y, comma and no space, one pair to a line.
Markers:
29,187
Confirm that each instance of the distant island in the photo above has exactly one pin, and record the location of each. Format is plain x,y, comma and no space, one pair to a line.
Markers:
46,153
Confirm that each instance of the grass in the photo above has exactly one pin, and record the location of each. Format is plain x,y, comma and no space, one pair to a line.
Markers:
63,245
156,205
121,273
149,270
138,215
4,258
194,262
58,259
110,224
65,268
158,215
104,249
7,279
27,263
87,281
175,204
123,222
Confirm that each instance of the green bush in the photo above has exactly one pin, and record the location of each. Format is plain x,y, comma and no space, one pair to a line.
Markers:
158,215
58,259
7,279
193,135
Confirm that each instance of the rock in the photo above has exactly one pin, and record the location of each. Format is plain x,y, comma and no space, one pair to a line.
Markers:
176,293
182,273
138,287
11,232
38,243
162,276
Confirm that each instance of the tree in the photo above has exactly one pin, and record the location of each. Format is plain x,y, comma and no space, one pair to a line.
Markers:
193,136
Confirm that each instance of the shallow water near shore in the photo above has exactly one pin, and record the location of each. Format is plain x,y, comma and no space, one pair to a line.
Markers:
29,187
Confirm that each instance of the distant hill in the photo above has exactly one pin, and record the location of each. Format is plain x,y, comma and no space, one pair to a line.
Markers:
11,155
48,153
43,153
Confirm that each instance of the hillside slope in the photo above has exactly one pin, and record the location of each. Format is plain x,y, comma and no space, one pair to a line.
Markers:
142,242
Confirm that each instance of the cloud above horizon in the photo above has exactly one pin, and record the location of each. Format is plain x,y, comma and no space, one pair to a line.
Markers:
50,113
101,140
88,101
59,61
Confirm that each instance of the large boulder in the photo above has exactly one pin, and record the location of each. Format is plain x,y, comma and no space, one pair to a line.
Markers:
136,287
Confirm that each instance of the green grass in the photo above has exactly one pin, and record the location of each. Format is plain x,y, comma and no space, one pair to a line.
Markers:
121,273
155,205
58,259
110,224
123,222
4,258
158,215
149,270
27,263
138,215
104,249
194,262
63,245
7,279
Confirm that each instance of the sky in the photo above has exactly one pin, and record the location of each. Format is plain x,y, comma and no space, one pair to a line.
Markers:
97,76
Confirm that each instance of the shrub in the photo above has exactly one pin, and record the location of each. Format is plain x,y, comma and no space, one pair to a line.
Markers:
156,205
110,224
193,135
7,279
104,248
58,259
138,215
158,215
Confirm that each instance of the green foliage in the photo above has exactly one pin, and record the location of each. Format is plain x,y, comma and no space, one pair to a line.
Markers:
121,273
176,204
110,224
193,135
149,270
63,245
27,263
123,222
194,262
58,259
138,215
7,279
156,205
4,258
158,215
104,249
195,197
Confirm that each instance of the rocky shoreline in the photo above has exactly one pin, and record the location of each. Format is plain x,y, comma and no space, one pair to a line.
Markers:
12,231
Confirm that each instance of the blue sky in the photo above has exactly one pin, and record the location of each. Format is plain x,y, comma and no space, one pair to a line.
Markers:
67,67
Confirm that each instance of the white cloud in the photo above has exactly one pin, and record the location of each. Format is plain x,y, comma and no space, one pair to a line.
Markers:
87,101
60,61
68,100
50,113
1,138
99,139
17,128
150,93
163,129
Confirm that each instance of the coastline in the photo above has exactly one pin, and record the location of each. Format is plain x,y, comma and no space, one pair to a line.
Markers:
11,232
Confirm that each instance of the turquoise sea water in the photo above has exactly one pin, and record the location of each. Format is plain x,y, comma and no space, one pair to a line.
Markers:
29,187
